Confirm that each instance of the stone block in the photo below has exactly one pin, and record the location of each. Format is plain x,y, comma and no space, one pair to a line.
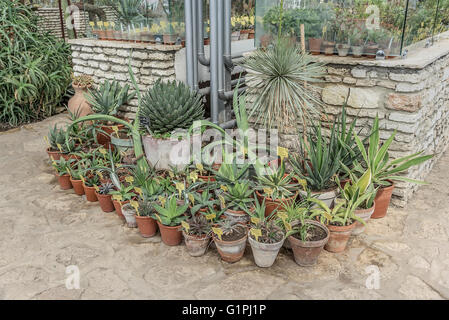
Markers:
403,102
335,94
359,73
365,98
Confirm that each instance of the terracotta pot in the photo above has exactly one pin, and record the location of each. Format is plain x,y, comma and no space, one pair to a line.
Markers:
231,251
365,215
343,49
382,200
306,253
171,236
90,193
315,45
77,186
244,34
55,154
252,34
64,182
147,226
237,215
207,42
105,202
78,103
344,182
338,238
271,205
118,208
329,48
170,39
264,253
357,51
105,139
207,178
196,246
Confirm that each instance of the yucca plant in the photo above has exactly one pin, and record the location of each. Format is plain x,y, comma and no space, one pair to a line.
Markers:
109,97
168,106
276,184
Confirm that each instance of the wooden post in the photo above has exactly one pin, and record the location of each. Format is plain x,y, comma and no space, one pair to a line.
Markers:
303,39
61,20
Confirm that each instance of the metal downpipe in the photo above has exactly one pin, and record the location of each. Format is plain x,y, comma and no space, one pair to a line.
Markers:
189,43
227,35
200,30
195,43
214,67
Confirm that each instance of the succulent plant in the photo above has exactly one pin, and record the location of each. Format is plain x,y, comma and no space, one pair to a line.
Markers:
56,136
106,188
169,106
83,81
198,225
109,97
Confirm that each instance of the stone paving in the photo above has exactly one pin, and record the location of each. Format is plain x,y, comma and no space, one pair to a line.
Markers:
43,230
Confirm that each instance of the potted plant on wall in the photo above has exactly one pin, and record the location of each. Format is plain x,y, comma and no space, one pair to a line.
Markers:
343,45
372,43
197,234
167,107
329,31
78,104
230,238
356,37
168,33
169,217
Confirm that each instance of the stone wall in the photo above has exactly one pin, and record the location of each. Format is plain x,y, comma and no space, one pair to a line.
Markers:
410,95
110,60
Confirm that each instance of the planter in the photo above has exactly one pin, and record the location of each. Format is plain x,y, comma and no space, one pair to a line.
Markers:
118,208
265,253
231,251
56,155
171,236
77,186
365,215
78,103
170,39
240,216
271,205
329,48
129,214
196,246
90,193
235,36
370,50
105,202
146,36
382,200
315,45
64,182
343,49
147,226
252,34
338,238
327,196
306,253
357,51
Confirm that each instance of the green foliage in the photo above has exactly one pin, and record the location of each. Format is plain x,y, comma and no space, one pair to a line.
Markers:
171,214
34,67
170,106
62,166
125,192
204,200
238,197
198,225
277,183
106,188
109,97
342,214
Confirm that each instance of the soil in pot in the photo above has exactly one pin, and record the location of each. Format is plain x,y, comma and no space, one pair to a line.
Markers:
232,247
264,253
196,245
118,208
64,182
147,226
90,193
77,186
171,236
382,200
365,215
105,201
306,253
338,237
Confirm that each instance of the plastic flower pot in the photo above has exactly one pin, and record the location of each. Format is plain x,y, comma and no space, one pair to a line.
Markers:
105,201
365,215
129,214
90,193
56,155
64,182
171,236
231,251
118,208
264,253
306,253
315,45
196,245
77,186
382,200
338,238
147,226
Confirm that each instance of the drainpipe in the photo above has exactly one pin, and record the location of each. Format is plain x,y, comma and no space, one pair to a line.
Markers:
227,35
195,44
189,43
214,66
200,30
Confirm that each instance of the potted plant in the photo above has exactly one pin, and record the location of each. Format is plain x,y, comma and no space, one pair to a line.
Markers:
202,202
62,168
329,31
371,43
55,139
164,108
169,218
356,37
78,103
235,27
276,187
75,180
104,197
230,238
145,222
343,45
90,183
197,234
385,171
265,237
168,33
236,200
122,196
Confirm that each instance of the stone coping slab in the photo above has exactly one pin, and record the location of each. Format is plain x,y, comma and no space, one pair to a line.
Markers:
123,44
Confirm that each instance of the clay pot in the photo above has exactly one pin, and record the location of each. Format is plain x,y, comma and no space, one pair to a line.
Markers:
271,205
118,208
105,138
365,215
265,253
382,200
147,226
78,103
171,236
105,202
196,246
338,238
357,51
56,155
371,50
237,215
252,34
231,251
90,193
306,253
77,186
64,182
170,39
343,49
207,178
329,48
130,216
315,45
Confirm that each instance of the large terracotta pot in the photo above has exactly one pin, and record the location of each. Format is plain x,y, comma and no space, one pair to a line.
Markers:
105,202
315,45
365,215
78,102
147,226
77,186
338,238
171,236
382,200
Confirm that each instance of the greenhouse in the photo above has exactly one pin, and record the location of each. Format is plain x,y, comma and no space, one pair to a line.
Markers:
224,150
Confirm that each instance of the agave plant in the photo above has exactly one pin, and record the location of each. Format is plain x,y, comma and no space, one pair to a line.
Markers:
276,184
168,106
56,136
198,226
62,166
239,196
203,200
171,214
109,97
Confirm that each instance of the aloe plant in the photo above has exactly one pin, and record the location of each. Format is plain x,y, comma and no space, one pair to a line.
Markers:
62,166
109,97
343,212
171,214
276,184
204,200
239,196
